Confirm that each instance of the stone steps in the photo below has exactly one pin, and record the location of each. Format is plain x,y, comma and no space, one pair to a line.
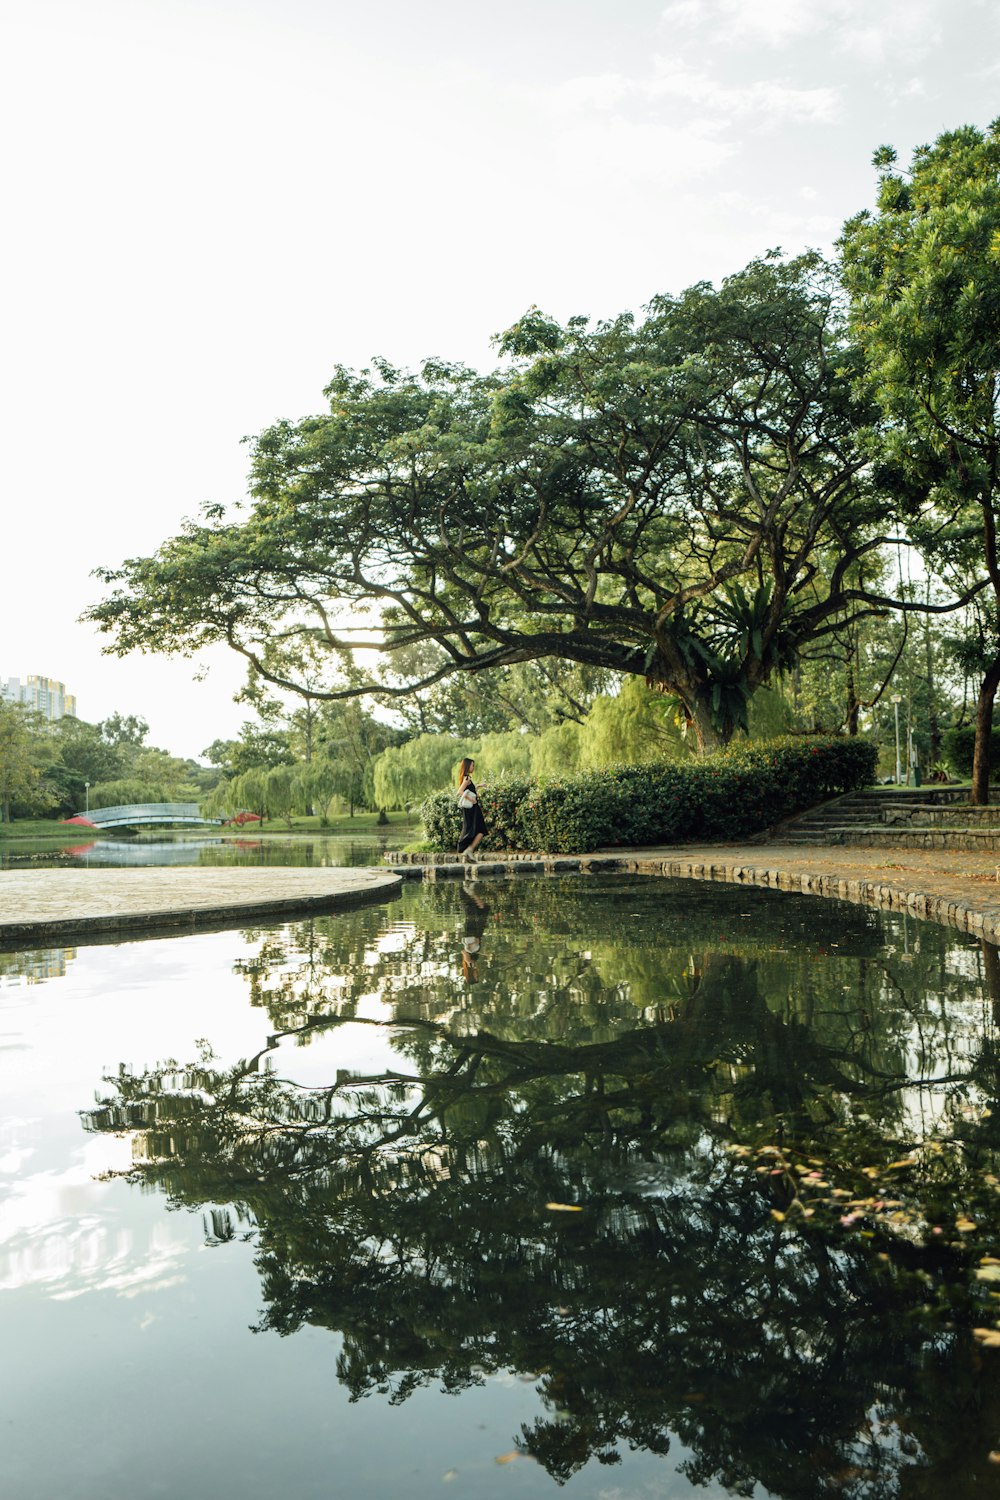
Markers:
914,818
894,838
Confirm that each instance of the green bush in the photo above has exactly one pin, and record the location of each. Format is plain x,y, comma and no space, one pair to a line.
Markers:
959,746
737,793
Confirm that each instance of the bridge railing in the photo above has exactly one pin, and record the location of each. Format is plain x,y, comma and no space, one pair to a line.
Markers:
146,812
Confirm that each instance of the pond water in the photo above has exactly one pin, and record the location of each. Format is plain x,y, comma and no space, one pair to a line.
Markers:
606,1186
122,851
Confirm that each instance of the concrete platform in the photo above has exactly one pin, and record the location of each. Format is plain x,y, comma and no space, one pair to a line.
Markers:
55,906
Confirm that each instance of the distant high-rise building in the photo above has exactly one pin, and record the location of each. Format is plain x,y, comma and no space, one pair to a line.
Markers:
42,693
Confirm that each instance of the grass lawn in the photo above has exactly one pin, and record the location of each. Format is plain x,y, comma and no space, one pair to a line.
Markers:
35,829
50,830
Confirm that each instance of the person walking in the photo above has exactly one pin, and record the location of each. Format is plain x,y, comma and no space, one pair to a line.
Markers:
473,823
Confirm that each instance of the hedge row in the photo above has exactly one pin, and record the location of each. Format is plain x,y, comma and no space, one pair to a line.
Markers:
737,793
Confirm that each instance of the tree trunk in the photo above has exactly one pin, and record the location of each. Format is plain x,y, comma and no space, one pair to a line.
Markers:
853,706
984,731
933,726
709,738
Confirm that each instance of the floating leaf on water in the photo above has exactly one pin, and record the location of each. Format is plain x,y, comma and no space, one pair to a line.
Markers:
507,1458
564,1208
964,1226
449,1475
988,1337
988,1273
904,1161
994,1457
777,1215
988,1260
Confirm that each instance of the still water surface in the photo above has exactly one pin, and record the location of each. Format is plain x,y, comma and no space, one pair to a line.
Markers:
515,1188
123,852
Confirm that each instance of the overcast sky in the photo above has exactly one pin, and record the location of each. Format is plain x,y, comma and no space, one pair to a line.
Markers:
207,205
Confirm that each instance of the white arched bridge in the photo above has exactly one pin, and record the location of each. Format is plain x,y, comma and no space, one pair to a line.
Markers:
136,814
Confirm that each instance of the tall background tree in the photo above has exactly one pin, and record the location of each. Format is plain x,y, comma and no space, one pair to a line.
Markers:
20,776
923,272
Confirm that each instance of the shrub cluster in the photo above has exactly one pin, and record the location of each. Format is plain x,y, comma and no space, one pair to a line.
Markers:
959,746
740,792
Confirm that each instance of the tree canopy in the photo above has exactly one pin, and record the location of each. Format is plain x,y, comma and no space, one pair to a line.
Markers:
20,777
924,276
679,498
57,766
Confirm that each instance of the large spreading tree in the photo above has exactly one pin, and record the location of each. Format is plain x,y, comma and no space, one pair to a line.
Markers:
680,498
923,271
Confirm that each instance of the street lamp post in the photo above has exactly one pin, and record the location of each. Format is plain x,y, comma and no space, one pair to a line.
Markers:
86,785
895,704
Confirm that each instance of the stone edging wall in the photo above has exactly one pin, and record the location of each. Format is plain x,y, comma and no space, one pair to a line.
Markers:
970,839
981,921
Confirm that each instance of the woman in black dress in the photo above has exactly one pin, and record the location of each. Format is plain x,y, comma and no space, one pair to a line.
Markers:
473,822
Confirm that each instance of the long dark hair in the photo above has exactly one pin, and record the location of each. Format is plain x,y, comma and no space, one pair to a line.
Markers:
465,769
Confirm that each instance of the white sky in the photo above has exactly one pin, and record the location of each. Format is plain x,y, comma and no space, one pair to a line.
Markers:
209,203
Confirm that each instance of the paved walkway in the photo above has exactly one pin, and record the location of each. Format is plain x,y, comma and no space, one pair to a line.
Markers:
52,906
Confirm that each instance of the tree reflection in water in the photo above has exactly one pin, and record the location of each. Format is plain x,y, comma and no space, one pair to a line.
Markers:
617,1156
